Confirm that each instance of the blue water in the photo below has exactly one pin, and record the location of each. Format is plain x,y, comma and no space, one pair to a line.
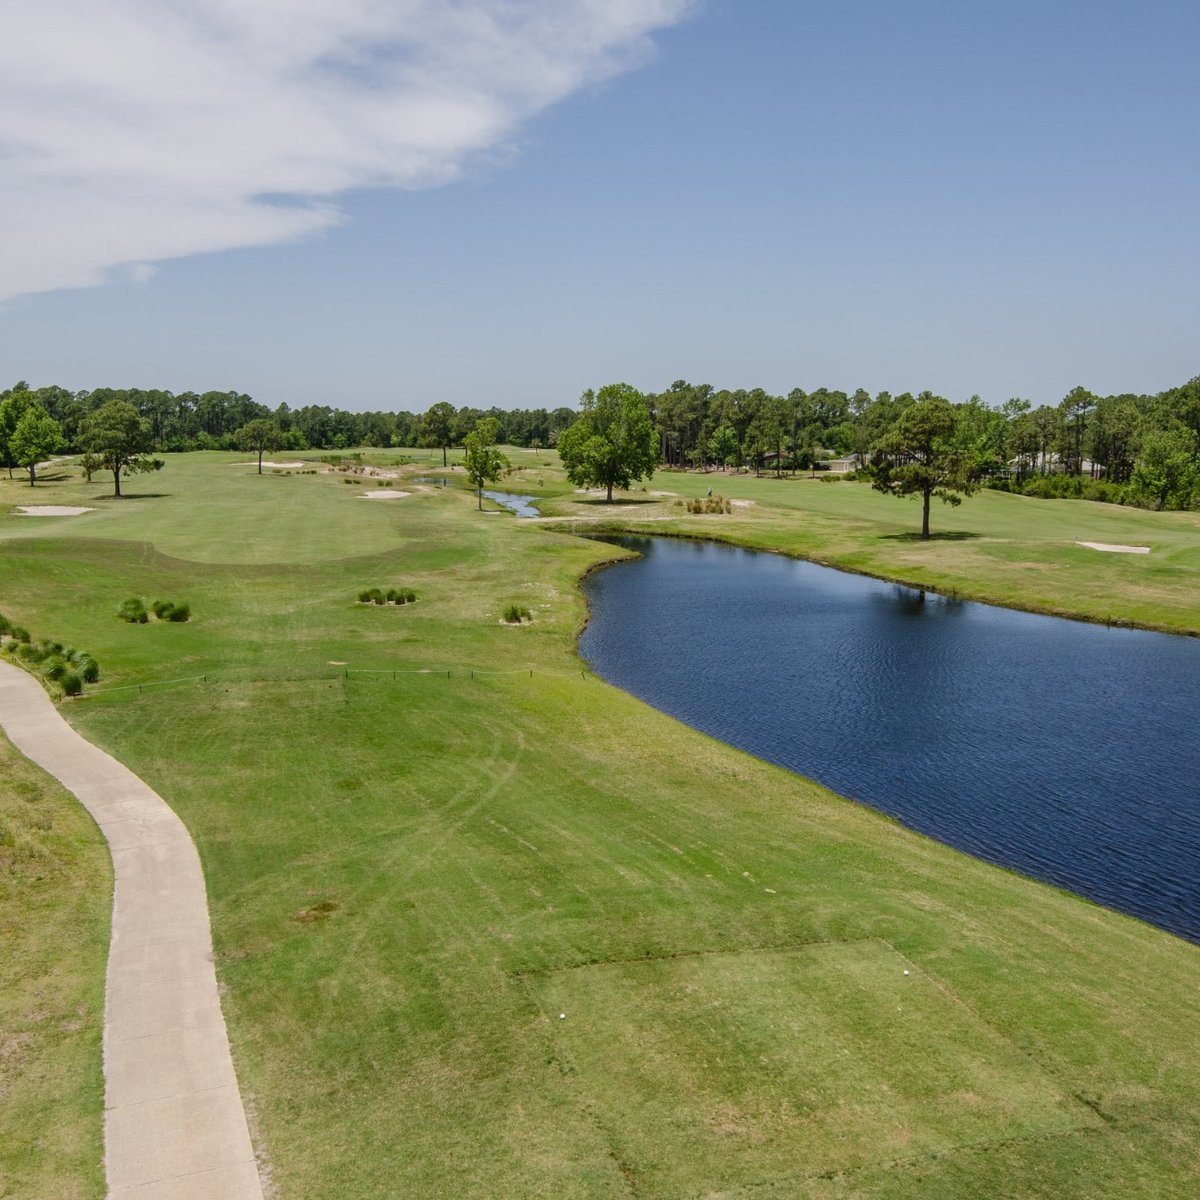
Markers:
1068,751
523,506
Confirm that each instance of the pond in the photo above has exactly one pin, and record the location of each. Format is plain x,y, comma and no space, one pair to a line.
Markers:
1065,750
523,506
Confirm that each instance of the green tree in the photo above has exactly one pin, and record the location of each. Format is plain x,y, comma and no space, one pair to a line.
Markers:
722,445
612,443
13,404
437,427
37,434
921,455
120,439
259,436
1166,470
483,461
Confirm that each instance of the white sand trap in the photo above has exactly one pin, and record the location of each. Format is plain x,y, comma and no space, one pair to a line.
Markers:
274,466
743,503
384,494
50,510
1115,548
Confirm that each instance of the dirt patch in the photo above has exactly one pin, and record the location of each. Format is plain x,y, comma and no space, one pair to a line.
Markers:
315,912
50,510
1115,548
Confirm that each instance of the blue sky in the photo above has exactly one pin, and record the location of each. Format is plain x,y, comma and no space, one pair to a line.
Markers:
965,197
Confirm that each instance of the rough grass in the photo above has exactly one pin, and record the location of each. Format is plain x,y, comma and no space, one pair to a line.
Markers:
412,874
55,901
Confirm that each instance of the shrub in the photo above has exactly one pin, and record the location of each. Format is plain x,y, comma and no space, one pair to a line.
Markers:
161,608
28,652
54,667
180,613
133,611
364,597
21,634
407,596
70,683
87,668
5,625
514,614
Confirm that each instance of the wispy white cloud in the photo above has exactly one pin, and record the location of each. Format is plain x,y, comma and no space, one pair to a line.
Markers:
140,130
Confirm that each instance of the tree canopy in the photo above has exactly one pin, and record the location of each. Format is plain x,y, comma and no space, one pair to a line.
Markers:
120,439
483,461
437,426
923,455
36,435
259,436
613,441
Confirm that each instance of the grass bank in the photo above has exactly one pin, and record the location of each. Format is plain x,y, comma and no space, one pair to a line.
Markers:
1015,551
490,927
55,901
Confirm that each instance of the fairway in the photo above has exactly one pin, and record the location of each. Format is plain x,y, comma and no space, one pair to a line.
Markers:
709,1071
426,834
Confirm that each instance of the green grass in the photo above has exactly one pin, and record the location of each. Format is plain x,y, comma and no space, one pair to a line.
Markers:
412,875
1006,549
55,899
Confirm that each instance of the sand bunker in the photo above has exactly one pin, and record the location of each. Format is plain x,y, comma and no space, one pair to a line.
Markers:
384,494
1115,548
274,466
50,510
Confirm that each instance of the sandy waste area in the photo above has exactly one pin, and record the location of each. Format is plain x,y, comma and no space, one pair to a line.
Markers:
1115,548
50,510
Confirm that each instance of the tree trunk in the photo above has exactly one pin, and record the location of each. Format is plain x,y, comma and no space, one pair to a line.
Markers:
32,473
260,454
443,456
116,481
610,493
925,514
480,497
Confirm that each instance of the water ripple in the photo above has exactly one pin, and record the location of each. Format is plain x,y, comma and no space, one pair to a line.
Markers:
1065,750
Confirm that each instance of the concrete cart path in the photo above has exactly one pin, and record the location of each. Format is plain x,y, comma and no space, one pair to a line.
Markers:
174,1126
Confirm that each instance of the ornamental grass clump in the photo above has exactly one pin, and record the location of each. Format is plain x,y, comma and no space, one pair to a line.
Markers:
64,666
391,596
516,614
168,610
133,611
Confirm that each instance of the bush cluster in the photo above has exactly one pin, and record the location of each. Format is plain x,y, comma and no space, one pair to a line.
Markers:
1064,487
168,610
61,665
706,504
391,596
516,614
134,611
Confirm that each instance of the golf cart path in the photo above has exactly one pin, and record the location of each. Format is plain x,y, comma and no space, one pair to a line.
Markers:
174,1125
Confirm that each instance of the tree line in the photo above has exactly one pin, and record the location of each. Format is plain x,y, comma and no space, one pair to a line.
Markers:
1132,448
1128,448
210,420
